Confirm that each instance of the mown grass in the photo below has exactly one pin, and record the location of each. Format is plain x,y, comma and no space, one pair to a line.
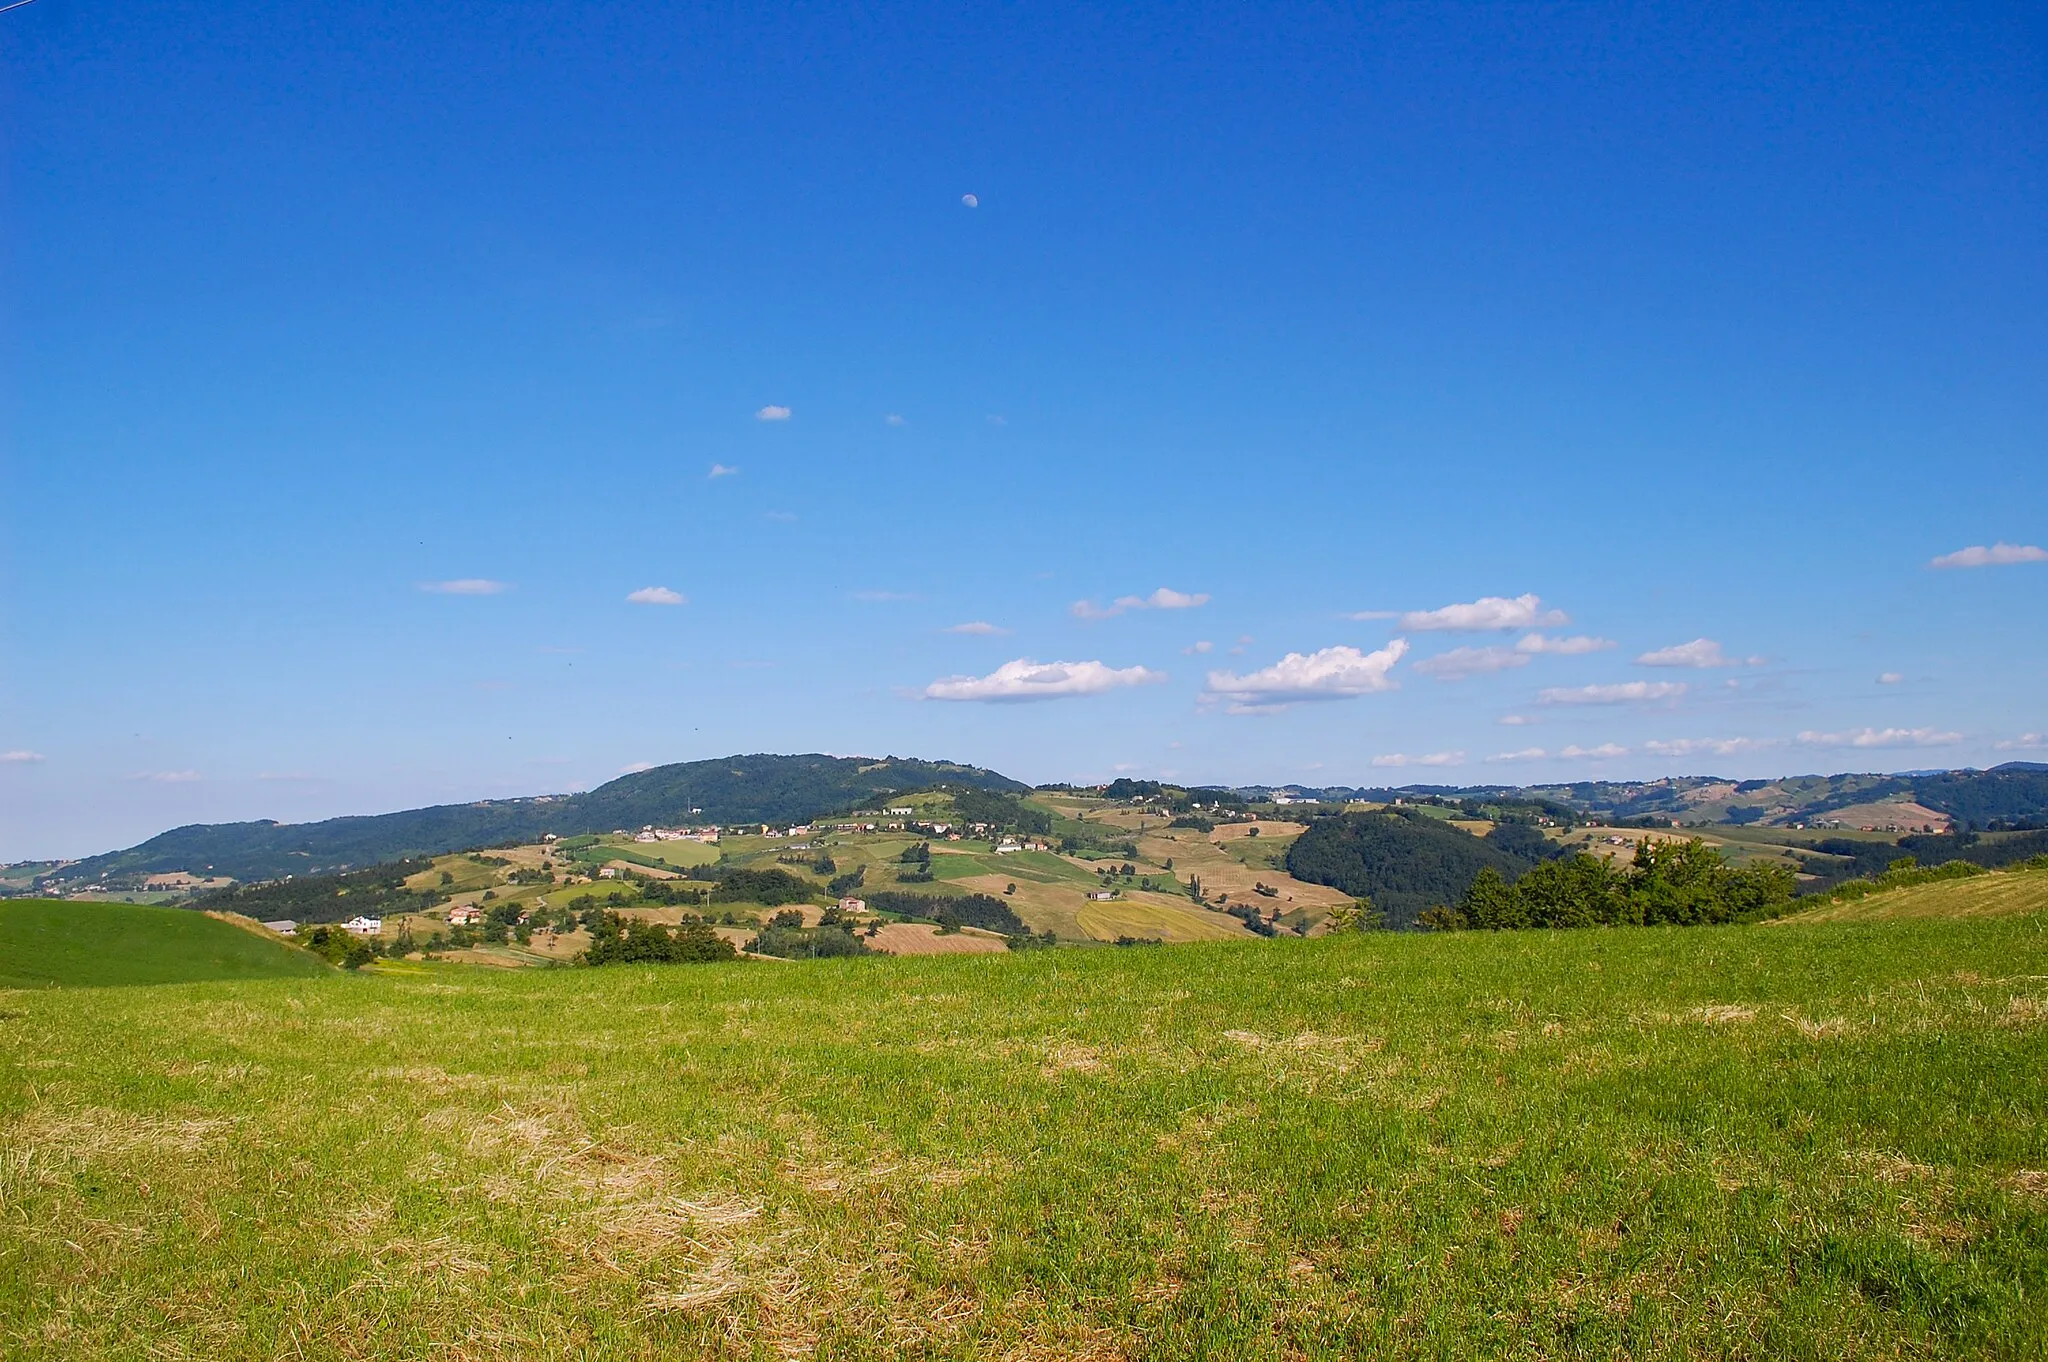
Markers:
1795,1142
45,943
1995,893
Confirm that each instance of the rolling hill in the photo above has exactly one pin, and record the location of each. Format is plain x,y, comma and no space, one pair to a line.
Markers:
45,944
740,789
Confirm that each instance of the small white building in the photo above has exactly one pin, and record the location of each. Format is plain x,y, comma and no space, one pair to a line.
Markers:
852,905
364,926
284,927
465,915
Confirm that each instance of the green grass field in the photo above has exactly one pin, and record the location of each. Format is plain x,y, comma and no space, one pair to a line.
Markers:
43,943
1802,1141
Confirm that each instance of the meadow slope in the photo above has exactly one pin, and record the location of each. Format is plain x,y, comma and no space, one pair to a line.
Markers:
44,944
1811,1141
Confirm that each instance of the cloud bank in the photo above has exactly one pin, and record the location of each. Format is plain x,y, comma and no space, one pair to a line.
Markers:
1620,693
1330,674
1459,663
2000,554
1025,680
1425,759
1701,652
1486,613
20,756
1881,737
1165,598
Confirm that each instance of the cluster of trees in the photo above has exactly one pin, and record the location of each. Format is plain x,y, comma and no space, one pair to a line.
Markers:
1002,811
615,941
1405,860
963,910
770,888
1678,884
786,936
917,864
378,891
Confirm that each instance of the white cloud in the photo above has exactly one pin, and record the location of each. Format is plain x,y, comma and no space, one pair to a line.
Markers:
1562,647
772,413
1488,612
719,470
894,420
1719,747
20,756
657,595
2000,554
1701,652
1363,615
634,768
1425,759
1621,693
1881,737
1165,598
1515,720
1198,646
1890,678
1525,754
1600,753
466,586
1024,679
166,777
1329,674
974,627
2025,742
1459,663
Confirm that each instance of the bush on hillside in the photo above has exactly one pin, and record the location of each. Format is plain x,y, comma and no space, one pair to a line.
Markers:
1679,884
769,888
615,941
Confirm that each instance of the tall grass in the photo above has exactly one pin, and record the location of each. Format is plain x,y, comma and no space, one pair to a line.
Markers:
1793,1142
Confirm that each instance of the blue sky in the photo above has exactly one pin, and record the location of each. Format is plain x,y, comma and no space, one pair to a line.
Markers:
1288,327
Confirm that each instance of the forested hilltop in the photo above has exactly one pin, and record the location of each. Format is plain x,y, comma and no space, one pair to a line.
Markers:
759,788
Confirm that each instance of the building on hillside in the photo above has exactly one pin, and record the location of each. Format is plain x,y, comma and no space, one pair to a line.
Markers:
1102,895
283,927
465,915
364,926
852,905
608,873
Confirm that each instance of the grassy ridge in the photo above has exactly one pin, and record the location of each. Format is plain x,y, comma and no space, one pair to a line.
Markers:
44,943
1798,1142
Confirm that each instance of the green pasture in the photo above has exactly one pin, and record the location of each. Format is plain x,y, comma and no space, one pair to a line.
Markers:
44,943
1805,1141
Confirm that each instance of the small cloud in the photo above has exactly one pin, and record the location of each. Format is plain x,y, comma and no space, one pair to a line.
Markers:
166,777
1363,615
974,627
874,597
1601,753
720,470
1562,647
1426,759
1339,673
466,586
1515,720
1525,754
1701,652
657,595
1459,663
1198,646
1025,680
2000,554
1487,613
1622,693
781,517
21,756
634,768
1165,598
772,413
2025,742
970,201
1881,737
892,419
1890,678
1718,747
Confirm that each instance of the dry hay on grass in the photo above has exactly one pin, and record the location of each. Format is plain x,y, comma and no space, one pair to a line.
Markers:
2002,893
920,938
652,872
1145,919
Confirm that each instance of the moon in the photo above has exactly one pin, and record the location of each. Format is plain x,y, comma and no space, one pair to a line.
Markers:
970,200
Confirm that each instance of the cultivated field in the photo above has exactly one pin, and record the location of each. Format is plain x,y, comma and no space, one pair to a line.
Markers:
1804,1141
44,943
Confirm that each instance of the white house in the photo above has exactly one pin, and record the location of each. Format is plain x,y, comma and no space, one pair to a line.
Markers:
1102,895
364,926
851,905
465,915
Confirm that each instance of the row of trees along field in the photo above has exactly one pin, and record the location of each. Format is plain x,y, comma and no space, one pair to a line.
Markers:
1680,884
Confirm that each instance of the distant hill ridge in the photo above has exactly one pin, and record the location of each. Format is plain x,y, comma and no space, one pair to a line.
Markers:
756,788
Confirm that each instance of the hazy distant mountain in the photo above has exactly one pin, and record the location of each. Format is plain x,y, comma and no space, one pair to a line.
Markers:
740,789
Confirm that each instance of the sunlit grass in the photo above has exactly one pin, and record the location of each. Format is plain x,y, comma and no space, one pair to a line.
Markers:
1796,1141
